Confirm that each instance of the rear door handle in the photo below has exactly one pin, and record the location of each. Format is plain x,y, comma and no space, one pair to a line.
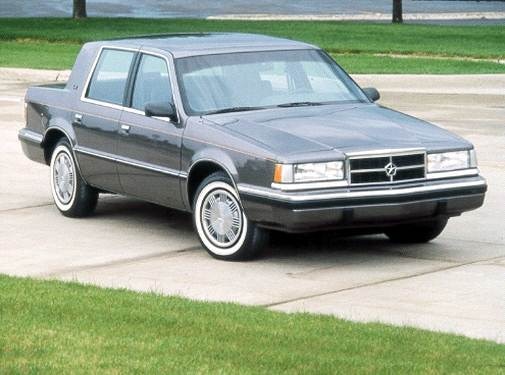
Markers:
125,128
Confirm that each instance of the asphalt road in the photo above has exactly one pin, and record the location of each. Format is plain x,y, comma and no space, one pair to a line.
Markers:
454,284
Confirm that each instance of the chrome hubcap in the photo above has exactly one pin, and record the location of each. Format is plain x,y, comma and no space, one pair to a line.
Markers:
221,218
63,178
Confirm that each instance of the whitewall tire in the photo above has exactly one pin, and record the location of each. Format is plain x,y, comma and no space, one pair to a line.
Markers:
220,221
71,195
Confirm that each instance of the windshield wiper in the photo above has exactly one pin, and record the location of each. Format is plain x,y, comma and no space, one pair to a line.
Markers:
233,109
299,104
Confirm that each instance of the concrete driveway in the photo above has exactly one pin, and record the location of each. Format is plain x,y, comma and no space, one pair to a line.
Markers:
454,284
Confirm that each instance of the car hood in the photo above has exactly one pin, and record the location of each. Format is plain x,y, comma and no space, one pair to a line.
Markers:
346,128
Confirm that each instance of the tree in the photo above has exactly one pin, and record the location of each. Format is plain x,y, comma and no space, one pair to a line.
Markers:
397,11
79,9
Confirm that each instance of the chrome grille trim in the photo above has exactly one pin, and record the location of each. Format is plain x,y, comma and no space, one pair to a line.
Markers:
382,169
386,157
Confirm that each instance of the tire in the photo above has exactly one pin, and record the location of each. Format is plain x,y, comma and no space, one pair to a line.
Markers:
221,224
417,232
72,196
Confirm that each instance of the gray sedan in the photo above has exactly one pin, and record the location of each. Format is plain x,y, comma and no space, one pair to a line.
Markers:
249,133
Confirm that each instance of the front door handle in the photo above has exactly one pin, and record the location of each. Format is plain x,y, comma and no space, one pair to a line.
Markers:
125,128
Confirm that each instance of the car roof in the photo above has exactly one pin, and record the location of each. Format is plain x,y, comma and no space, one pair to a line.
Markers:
191,44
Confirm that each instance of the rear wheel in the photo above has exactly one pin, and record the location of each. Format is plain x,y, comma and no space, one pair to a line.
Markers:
221,224
72,196
416,232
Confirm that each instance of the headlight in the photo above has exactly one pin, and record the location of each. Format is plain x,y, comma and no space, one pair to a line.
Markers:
309,172
450,161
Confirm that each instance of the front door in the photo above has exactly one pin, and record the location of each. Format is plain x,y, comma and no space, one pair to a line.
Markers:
149,148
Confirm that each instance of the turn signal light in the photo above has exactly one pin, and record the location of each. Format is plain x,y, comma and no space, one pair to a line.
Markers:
278,173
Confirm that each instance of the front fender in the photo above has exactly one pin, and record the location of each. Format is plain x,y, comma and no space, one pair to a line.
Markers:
211,155
217,156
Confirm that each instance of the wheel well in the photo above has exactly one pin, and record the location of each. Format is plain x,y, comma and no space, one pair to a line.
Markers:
198,173
50,140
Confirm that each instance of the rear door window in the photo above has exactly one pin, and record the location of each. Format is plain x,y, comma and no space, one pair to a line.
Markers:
109,78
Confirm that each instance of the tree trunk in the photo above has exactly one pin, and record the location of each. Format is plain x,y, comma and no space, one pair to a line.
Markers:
79,9
397,11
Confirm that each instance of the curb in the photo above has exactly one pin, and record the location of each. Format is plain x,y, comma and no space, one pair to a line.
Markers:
33,75
446,16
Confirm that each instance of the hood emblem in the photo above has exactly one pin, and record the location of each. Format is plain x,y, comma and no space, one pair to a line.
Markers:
390,169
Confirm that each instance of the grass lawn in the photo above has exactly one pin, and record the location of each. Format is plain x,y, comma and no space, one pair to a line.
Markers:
54,42
55,327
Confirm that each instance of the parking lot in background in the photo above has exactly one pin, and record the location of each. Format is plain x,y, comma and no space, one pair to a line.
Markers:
454,284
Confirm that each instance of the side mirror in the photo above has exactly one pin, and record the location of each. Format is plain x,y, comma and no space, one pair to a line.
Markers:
372,93
161,109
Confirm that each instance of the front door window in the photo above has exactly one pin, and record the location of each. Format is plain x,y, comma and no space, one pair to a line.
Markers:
152,84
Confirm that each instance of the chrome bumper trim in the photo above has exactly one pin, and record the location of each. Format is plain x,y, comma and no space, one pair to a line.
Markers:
31,136
390,191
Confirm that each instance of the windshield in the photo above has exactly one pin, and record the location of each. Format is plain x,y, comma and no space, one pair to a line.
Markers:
256,80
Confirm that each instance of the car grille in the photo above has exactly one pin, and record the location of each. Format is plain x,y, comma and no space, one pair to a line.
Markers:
387,168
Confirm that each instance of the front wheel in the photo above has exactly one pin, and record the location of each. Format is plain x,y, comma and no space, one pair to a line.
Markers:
221,224
416,232
71,194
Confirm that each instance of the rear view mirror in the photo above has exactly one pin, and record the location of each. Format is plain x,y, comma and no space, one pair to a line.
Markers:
372,93
161,109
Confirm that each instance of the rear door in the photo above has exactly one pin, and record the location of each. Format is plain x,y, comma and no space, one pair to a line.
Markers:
149,148
96,119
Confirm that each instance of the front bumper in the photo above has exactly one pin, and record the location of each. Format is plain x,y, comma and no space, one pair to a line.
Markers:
361,207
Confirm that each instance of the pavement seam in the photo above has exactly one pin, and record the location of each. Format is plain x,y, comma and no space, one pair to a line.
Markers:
302,274
26,207
402,255
379,282
119,262
475,241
